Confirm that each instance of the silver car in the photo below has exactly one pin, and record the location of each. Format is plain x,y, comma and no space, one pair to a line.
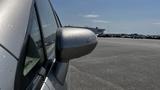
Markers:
34,47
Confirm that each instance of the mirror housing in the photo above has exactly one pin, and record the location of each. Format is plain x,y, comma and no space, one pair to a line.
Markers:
73,43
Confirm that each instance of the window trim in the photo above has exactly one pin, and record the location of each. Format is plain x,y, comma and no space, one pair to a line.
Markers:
19,77
58,20
41,32
59,25
38,64
41,28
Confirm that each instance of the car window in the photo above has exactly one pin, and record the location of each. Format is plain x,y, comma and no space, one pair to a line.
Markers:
34,55
48,24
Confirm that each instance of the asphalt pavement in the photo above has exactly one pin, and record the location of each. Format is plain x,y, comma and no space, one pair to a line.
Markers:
118,64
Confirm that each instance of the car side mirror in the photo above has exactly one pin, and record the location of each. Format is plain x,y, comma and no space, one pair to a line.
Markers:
71,43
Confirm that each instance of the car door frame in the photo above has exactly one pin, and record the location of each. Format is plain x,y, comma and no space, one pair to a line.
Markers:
18,85
19,75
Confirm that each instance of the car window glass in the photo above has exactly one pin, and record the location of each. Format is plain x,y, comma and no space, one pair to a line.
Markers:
34,50
48,24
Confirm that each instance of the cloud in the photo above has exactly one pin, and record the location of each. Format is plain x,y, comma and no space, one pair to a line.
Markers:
100,21
91,16
157,23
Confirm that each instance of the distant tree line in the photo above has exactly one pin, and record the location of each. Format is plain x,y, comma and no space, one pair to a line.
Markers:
133,36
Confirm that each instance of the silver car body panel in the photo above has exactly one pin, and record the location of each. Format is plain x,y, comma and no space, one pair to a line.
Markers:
14,16
49,84
8,65
45,87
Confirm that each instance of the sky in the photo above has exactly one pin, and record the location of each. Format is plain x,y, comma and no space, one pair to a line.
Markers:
116,16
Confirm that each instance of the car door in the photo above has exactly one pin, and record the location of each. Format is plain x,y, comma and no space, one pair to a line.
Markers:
31,70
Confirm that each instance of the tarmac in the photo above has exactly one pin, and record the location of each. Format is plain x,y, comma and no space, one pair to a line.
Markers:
118,64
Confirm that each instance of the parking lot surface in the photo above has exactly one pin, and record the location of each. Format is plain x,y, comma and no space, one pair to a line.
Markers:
118,64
